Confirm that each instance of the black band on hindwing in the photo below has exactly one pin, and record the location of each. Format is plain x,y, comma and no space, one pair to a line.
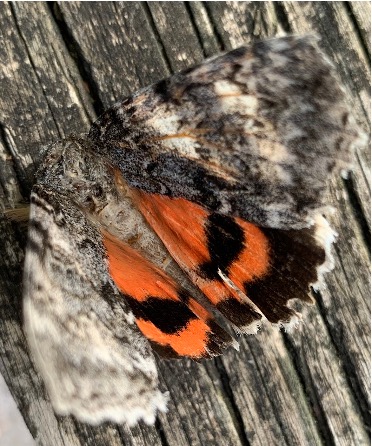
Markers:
225,241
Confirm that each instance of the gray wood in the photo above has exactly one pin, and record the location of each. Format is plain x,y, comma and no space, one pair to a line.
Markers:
360,13
61,65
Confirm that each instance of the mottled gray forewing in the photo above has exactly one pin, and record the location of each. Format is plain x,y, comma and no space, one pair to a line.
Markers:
95,363
253,133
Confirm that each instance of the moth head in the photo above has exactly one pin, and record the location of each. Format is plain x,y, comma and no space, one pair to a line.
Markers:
72,167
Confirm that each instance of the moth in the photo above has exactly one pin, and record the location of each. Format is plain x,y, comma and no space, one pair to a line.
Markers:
204,190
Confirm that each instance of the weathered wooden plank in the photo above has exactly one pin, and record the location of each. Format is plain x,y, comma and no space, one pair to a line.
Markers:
198,411
360,13
268,393
345,303
203,27
117,44
326,384
175,29
238,22
317,391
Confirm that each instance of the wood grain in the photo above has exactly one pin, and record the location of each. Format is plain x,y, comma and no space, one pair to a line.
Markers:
62,64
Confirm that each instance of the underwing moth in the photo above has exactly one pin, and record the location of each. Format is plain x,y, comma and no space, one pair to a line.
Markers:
207,185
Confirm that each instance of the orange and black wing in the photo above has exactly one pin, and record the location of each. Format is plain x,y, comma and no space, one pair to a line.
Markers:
248,273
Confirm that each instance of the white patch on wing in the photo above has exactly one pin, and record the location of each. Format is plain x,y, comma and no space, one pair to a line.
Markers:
165,123
184,145
275,152
325,236
168,125
244,104
226,87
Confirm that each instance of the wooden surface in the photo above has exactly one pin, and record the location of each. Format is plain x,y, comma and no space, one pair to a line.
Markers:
62,64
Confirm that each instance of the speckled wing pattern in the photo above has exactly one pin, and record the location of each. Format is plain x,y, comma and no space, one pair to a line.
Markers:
95,363
207,185
254,133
